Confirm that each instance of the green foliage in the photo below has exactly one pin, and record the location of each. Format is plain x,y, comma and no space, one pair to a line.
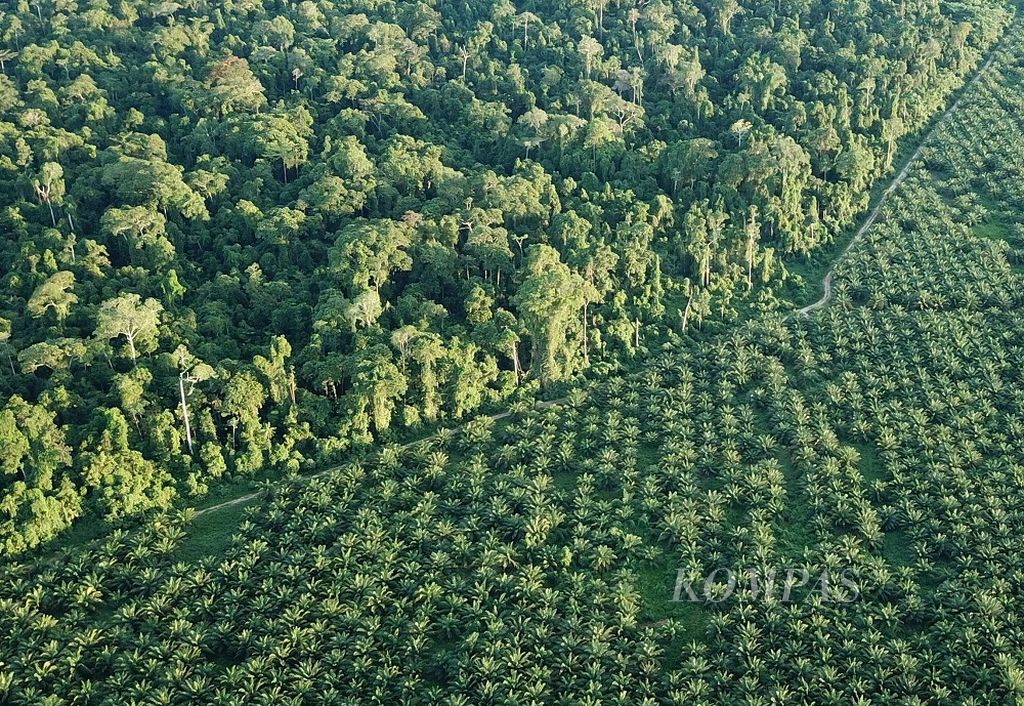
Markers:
126,482
535,556
128,316
54,294
550,297
239,236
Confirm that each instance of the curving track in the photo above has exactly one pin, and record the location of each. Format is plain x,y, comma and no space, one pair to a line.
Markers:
826,283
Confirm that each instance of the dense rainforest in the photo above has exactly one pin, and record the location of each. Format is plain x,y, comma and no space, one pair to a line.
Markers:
242,237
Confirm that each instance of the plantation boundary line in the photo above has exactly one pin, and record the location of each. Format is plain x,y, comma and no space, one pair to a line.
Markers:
804,311
242,499
899,179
